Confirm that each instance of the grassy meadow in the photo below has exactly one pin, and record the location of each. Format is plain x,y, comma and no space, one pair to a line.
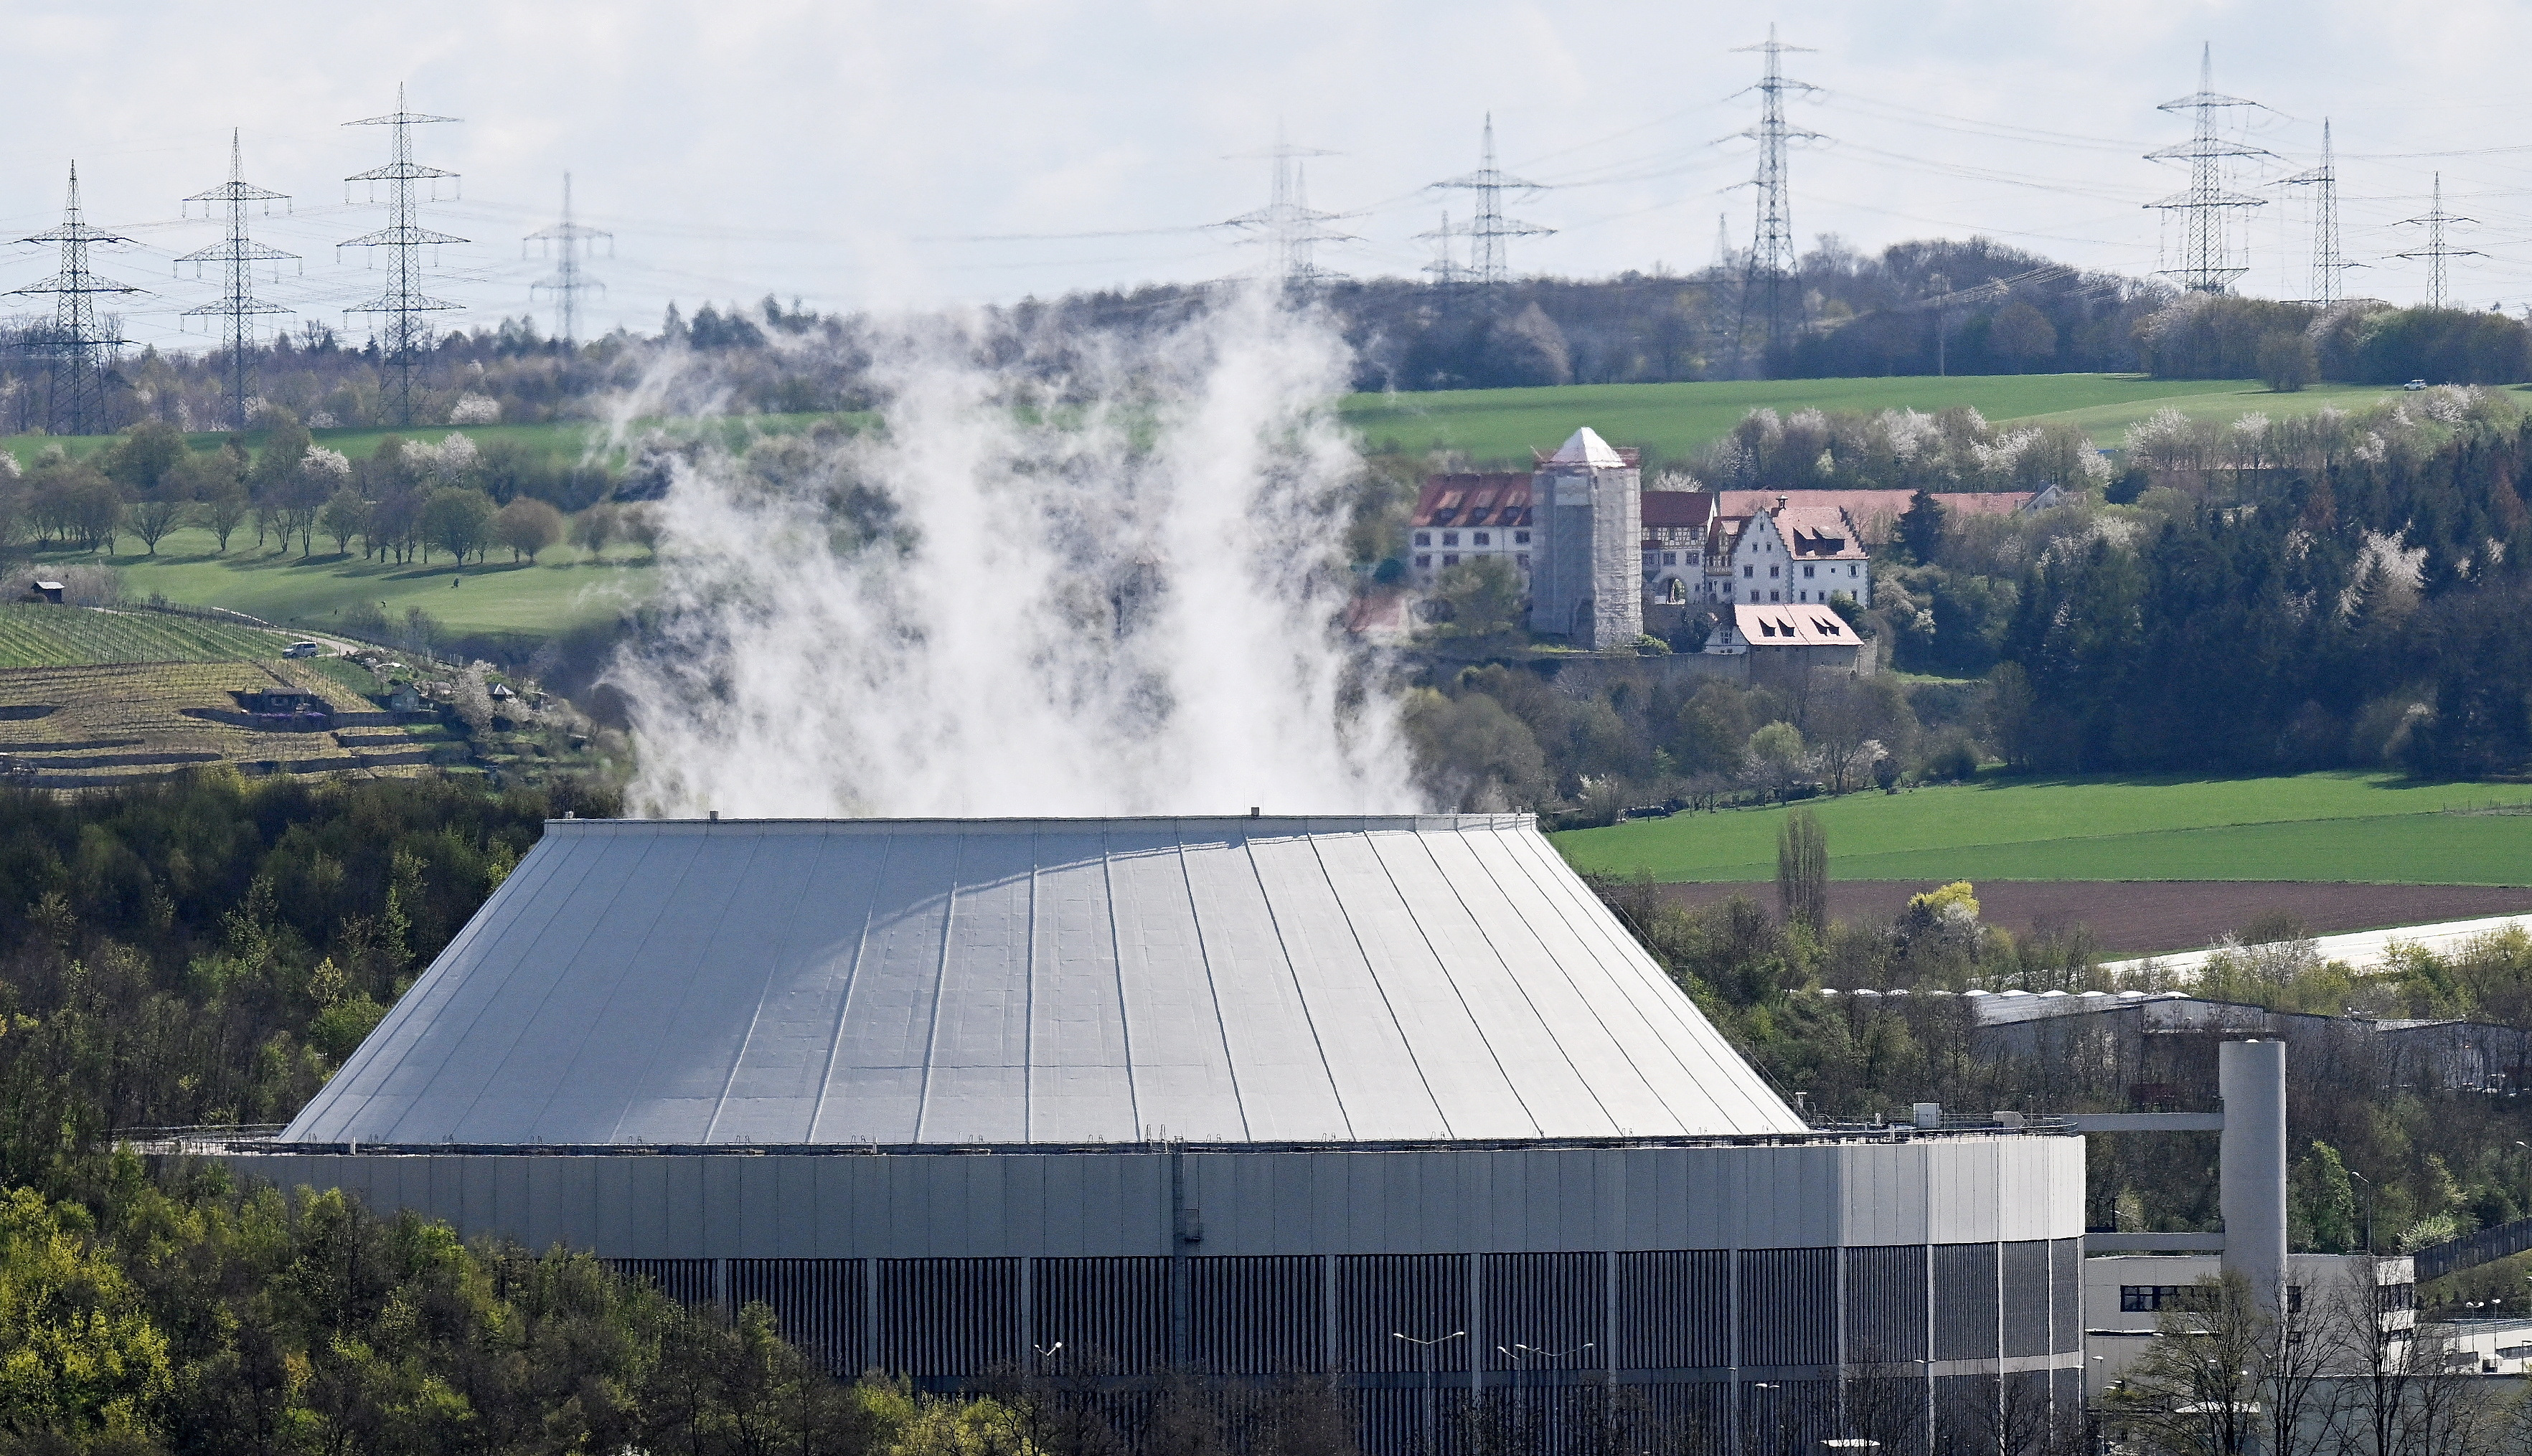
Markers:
46,636
2358,827
1673,419
559,591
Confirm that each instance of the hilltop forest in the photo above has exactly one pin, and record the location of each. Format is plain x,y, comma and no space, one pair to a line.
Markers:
1930,306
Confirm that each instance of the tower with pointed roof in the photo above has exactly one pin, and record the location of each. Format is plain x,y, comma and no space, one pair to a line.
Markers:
1585,584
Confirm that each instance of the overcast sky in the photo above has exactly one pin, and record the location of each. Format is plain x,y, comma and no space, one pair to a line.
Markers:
876,156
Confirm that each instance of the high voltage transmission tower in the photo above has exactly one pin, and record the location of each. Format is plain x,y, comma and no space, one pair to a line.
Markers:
1489,262
1287,226
1446,267
2326,263
566,283
2206,259
402,300
236,255
1768,273
2436,251
79,342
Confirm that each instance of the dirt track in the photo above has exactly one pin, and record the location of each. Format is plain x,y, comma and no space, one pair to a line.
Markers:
2142,915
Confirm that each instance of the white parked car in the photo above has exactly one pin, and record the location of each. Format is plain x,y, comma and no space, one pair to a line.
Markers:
300,649
2415,384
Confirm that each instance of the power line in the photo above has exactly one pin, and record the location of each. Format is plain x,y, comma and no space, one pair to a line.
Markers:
78,340
1770,265
2436,252
1445,268
565,282
2327,261
236,255
2207,261
1489,262
1287,226
402,300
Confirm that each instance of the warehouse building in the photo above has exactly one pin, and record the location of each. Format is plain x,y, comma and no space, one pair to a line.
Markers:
1394,1101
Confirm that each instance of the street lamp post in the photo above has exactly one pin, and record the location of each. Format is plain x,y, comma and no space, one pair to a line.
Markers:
1425,1350
1521,1356
2369,1206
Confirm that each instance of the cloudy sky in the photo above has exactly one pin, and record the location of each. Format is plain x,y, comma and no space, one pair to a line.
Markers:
873,156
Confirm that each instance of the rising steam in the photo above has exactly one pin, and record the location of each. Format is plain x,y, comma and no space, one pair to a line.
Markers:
1107,595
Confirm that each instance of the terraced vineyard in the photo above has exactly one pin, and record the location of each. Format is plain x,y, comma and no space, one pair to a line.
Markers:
94,724
46,636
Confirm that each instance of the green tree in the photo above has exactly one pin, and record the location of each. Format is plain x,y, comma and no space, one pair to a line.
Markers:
2022,334
1477,600
2288,361
1921,526
1802,872
344,515
455,521
527,526
80,1359
139,460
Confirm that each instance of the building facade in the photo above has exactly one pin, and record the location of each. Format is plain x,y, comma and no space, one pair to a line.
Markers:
1585,584
1252,1098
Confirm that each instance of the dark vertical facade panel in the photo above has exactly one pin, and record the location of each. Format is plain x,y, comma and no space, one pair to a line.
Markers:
1672,1418
1966,1413
1788,1300
1965,1294
1888,1406
1539,1418
949,1316
1112,1315
1791,1417
1396,1419
817,1304
1547,1311
1380,1296
1258,1316
1885,1306
2026,1298
1675,1310
2066,1399
2066,1296
690,1282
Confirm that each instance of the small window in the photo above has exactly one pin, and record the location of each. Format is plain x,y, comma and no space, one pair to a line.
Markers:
1524,560
1425,561
1423,538
1452,559
1670,558
1773,596
1807,571
1483,538
1521,539
1850,571
1450,539
1772,571
1748,571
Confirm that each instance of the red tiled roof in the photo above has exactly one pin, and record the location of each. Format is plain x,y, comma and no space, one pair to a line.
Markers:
1473,500
1812,534
1796,626
1677,507
1874,512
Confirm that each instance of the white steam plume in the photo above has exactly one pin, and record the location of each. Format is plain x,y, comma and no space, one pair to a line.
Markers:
1111,595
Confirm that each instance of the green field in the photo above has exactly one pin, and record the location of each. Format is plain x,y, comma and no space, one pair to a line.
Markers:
1672,420
566,589
67,636
2362,827
565,441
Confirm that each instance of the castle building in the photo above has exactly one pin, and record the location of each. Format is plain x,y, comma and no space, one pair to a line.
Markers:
1586,582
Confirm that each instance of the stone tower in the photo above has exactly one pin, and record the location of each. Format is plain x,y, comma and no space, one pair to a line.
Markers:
1587,580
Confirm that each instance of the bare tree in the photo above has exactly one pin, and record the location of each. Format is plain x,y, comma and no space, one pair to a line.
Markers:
2195,1390
2378,1358
2298,1346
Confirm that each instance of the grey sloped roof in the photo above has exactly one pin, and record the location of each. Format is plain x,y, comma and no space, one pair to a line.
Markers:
1041,981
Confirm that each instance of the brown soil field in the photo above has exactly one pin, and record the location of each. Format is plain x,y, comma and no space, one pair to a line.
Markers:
2138,917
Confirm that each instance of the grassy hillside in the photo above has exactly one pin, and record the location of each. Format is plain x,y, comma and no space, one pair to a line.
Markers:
2318,827
564,589
1672,420
64,636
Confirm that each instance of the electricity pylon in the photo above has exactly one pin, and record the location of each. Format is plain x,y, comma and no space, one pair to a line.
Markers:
2207,262
2327,261
566,283
78,341
1446,267
236,255
1489,260
402,301
2435,253
1287,226
1769,269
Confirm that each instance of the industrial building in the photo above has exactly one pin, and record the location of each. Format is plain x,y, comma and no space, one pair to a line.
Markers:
1393,1101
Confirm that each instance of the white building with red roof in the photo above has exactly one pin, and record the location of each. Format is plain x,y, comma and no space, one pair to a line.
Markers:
1462,516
